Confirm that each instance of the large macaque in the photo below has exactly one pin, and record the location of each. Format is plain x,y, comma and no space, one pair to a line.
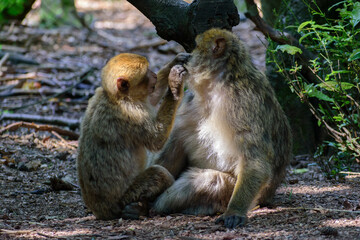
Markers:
231,141
118,127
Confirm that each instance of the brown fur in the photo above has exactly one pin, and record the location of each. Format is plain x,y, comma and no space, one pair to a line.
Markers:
118,128
231,142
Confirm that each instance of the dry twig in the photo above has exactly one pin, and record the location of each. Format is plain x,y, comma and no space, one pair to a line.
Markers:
60,121
149,45
4,58
49,128
6,231
17,58
321,209
82,76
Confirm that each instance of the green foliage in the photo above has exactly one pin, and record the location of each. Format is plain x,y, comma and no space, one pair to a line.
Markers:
11,8
333,93
289,49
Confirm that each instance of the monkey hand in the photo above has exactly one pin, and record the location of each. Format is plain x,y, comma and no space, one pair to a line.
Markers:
176,81
182,58
231,220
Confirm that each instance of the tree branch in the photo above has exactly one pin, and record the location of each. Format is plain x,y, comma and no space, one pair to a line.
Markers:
281,38
182,22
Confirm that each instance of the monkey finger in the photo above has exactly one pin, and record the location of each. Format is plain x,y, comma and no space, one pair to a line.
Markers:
183,57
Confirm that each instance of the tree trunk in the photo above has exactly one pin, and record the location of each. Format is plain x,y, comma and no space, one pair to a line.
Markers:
180,21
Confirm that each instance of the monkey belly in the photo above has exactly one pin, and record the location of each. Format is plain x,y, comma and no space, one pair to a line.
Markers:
212,147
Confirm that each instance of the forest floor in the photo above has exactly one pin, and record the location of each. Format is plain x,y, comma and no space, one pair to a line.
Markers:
34,164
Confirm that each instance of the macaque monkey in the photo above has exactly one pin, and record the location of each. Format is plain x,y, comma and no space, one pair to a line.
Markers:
231,141
118,127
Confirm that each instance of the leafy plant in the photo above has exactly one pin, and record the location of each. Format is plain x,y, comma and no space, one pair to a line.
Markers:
11,8
333,91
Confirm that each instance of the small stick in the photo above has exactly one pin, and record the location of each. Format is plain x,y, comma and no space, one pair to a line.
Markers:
31,75
4,58
60,121
82,76
322,209
15,231
149,45
62,139
17,125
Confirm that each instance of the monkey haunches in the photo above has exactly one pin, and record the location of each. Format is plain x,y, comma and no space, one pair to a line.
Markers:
118,127
231,141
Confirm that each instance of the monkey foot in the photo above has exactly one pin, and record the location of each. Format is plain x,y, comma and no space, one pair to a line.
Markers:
231,221
135,210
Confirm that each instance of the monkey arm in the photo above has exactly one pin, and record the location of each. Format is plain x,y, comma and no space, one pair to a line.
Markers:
173,157
163,123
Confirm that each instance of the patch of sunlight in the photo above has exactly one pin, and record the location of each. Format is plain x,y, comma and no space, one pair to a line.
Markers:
123,25
313,189
65,233
342,222
98,5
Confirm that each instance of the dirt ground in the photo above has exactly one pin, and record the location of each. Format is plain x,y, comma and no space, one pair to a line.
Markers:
34,164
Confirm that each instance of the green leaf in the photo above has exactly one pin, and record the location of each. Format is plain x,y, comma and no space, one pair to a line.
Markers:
15,10
289,49
304,24
335,73
305,36
355,14
324,27
311,91
319,123
354,55
333,85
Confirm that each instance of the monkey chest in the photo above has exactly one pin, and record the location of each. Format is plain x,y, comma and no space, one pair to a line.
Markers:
213,145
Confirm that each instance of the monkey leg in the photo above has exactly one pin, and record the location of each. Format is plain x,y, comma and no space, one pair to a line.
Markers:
197,191
269,192
249,184
147,185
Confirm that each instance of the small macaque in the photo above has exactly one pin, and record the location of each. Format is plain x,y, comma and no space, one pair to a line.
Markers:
119,126
231,141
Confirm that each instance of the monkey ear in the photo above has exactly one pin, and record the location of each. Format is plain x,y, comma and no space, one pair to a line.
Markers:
123,85
219,47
